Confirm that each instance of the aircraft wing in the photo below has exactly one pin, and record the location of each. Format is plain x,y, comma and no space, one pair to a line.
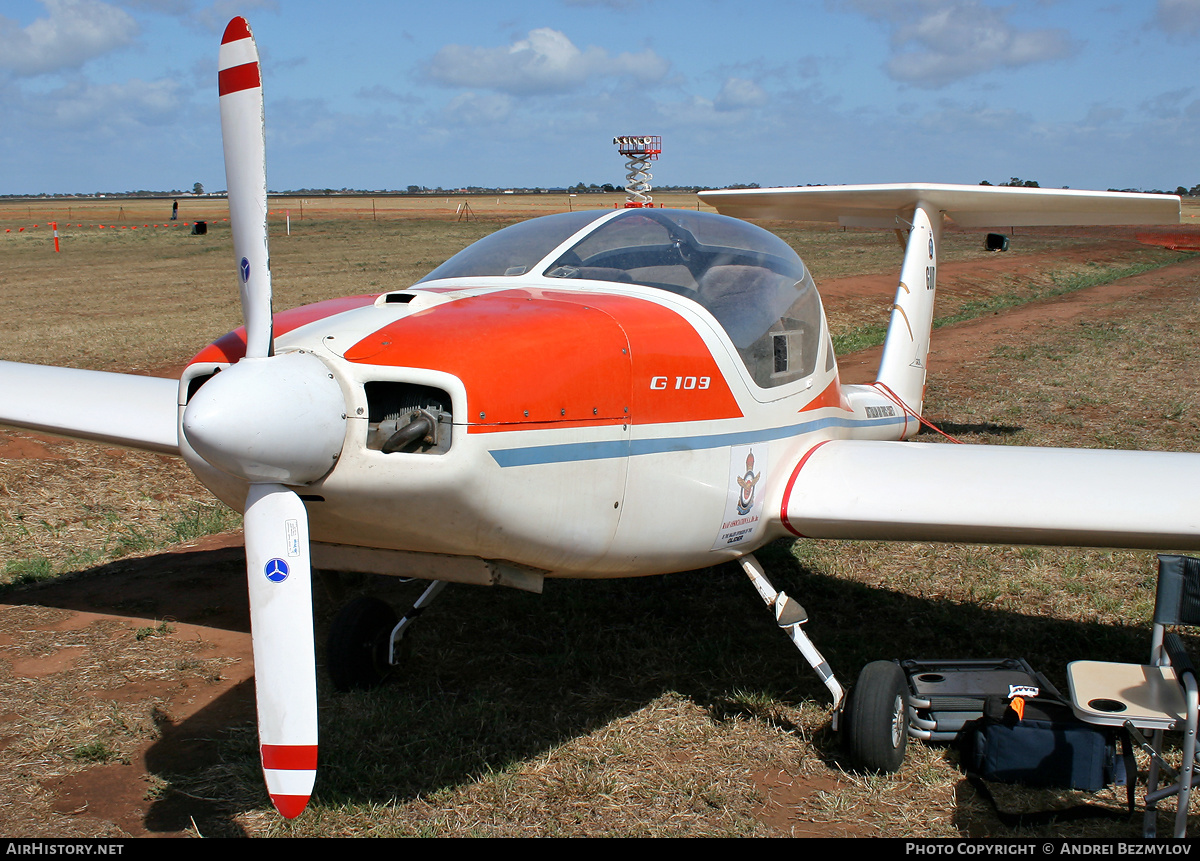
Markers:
967,205
126,409
988,494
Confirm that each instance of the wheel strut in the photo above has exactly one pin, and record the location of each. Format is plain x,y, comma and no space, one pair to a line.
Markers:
418,607
791,616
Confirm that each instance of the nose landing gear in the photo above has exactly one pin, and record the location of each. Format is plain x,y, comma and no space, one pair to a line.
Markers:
366,640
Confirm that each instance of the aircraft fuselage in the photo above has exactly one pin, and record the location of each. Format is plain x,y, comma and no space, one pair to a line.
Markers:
601,430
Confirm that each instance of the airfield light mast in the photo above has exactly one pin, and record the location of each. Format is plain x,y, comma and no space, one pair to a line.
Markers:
640,150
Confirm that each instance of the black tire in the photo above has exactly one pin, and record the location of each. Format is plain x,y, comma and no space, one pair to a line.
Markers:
358,644
876,719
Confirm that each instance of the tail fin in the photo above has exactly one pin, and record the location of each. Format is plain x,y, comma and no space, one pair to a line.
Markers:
922,208
906,347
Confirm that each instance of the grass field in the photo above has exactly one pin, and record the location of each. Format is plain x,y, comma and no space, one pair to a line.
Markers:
666,706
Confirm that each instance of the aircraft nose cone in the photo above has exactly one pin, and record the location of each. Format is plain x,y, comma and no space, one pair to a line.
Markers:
275,419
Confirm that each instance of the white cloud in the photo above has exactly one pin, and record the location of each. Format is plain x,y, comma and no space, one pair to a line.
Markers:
102,111
380,93
209,16
696,113
739,93
475,109
936,42
73,32
1179,19
546,61
1102,115
214,17
165,7
1169,103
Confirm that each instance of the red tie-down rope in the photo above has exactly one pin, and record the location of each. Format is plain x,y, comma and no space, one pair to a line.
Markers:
908,411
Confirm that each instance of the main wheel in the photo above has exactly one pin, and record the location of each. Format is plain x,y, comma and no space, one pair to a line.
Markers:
876,720
357,650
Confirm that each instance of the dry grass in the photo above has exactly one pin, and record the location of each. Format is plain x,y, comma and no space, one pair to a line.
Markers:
92,694
667,706
78,507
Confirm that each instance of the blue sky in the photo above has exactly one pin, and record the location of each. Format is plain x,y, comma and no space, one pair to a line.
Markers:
114,95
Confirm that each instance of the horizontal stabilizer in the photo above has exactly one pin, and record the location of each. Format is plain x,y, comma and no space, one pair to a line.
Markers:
988,494
126,409
967,205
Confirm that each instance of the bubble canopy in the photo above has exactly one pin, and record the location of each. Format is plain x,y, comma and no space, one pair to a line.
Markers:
750,280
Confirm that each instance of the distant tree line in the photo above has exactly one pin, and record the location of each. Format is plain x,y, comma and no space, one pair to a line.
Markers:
175,192
577,188
1017,182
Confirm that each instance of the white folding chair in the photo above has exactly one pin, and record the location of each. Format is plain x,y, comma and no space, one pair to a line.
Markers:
1157,697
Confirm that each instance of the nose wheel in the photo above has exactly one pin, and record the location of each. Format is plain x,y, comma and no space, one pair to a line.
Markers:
359,640
366,639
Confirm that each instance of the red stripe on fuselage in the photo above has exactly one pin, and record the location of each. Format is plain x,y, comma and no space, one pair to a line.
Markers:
787,491
831,397
238,78
533,358
232,346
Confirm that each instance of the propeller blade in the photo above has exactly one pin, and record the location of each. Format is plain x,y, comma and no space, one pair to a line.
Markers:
243,133
281,626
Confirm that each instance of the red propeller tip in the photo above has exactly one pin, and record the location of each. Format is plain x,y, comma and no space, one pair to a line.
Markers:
289,806
236,29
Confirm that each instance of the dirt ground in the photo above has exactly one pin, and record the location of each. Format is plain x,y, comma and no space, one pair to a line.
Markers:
77,641
954,350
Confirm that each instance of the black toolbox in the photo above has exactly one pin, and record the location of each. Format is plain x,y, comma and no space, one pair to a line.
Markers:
945,696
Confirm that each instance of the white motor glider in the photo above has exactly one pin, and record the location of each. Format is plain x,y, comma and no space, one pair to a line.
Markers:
589,394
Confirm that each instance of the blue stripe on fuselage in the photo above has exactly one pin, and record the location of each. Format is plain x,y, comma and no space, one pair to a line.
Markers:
575,451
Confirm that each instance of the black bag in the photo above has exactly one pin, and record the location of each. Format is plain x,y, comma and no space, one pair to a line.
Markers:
1048,748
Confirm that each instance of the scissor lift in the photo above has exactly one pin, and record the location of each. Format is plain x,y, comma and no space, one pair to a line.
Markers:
640,150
